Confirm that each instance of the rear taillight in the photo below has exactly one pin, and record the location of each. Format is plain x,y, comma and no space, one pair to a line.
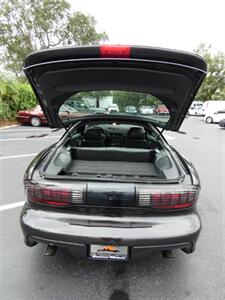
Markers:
108,51
55,196
168,199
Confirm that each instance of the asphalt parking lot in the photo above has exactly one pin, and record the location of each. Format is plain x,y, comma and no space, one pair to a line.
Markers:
26,274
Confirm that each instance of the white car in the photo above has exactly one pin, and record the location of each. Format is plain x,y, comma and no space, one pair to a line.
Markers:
113,108
195,109
215,117
146,110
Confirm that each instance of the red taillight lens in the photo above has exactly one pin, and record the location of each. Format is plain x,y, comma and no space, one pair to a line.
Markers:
108,51
168,199
54,196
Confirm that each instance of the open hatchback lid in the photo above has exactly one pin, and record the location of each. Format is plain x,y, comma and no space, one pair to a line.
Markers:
62,76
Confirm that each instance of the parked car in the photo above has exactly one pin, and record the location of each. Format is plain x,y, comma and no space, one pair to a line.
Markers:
34,116
196,108
146,110
215,117
131,110
112,188
161,109
97,110
222,123
68,112
199,112
212,106
113,108
83,106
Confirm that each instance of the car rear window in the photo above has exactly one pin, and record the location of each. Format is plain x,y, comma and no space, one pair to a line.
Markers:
114,102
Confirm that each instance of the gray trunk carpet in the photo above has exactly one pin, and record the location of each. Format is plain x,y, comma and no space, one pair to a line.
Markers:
113,167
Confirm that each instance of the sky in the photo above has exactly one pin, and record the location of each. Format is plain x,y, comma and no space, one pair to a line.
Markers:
176,24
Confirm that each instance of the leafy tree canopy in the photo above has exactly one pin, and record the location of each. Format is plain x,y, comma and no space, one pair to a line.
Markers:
14,96
213,87
31,25
124,99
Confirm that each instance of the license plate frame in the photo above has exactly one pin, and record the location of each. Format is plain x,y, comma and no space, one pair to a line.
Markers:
108,252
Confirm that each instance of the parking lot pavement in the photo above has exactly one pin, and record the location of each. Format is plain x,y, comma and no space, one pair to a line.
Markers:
22,140
27,274
18,145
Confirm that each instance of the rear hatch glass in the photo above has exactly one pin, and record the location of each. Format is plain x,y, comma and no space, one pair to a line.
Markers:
114,103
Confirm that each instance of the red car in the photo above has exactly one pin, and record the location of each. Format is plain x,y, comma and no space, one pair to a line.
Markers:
34,116
161,109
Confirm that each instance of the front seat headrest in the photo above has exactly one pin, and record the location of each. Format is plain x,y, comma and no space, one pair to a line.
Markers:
136,133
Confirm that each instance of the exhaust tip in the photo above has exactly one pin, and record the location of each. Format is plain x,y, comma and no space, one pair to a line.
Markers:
168,254
50,250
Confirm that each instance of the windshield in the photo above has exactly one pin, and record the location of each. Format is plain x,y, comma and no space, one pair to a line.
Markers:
114,102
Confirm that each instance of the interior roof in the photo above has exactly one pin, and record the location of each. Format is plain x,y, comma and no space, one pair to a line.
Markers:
174,85
171,88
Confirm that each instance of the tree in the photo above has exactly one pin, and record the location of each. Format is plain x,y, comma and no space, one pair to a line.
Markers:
213,86
81,29
123,99
30,25
14,96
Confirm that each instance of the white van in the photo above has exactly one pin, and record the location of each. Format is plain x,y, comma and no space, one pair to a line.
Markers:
212,106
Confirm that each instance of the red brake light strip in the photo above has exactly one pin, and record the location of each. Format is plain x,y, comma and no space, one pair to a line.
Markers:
109,51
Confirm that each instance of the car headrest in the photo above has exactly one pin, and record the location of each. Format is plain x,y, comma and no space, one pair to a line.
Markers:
136,133
96,133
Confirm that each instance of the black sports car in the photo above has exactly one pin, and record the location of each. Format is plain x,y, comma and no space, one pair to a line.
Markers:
112,187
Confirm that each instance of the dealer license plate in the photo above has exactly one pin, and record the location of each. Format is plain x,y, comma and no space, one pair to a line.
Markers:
108,252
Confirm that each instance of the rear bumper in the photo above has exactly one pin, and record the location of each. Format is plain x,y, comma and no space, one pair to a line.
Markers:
139,233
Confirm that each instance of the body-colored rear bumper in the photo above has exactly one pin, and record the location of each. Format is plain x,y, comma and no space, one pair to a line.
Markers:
139,233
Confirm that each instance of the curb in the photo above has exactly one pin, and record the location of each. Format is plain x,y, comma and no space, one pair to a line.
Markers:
9,126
